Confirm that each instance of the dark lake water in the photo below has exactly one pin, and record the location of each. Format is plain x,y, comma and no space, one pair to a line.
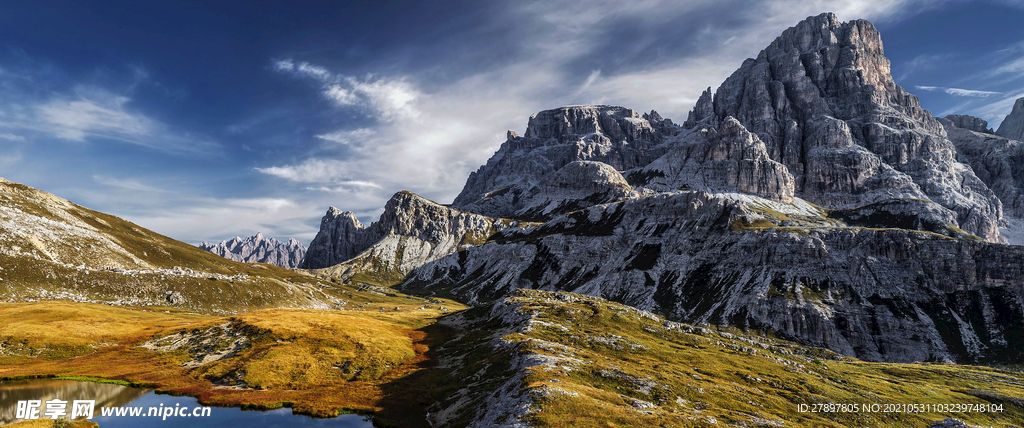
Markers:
123,397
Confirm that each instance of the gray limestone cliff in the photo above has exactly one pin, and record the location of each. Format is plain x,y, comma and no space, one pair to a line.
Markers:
822,99
878,294
410,232
616,136
575,186
724,159
969,123
1012,126
257,249
340,238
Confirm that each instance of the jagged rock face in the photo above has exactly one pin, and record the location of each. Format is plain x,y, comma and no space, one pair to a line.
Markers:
1012,126
912,214
340,238
822,99
257,249
576,186
969,123
411,231
997,161
878,294
724,159
616,136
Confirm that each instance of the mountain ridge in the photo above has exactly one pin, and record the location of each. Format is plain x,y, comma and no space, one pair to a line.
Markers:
257,249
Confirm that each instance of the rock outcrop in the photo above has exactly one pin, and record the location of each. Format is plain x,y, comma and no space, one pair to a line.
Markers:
576,186
822,99
724,159
410,232
969,123
340,238
616,136
1012,126
997,161
257,249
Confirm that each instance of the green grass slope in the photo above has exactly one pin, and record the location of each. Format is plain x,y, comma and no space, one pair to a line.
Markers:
566,360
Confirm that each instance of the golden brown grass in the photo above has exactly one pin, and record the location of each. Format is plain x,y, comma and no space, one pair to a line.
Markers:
294,357
691,375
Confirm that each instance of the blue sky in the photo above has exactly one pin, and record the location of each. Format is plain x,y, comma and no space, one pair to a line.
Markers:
206,121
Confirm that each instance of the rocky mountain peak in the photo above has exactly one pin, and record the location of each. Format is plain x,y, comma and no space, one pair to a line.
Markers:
411,231
568,123
822,99
341,237
616,136
1013,125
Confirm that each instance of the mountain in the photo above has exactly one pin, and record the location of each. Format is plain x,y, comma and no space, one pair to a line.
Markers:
411,231
257,249
1012,126
823,100
616,136
809,195
51,248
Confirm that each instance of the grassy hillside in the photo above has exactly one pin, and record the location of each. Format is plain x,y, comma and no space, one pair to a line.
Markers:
51,248
561,360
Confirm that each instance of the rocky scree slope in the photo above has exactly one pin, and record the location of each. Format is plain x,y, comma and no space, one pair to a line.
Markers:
51,248
257,249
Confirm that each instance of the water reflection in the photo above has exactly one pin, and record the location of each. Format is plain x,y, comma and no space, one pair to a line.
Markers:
120,396
106,395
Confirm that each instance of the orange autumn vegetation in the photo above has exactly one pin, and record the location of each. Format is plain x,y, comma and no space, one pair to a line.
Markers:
317,362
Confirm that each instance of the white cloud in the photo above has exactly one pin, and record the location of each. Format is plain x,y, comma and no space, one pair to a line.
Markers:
970,92
428,138
388,99
94,114
216,219
341,96
311,171
959,92
921,63
996,111
74,119
127,184
313,71
355,136
345,186
391,99
1013,67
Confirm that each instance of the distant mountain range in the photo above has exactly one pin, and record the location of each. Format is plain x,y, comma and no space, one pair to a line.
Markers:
257,249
